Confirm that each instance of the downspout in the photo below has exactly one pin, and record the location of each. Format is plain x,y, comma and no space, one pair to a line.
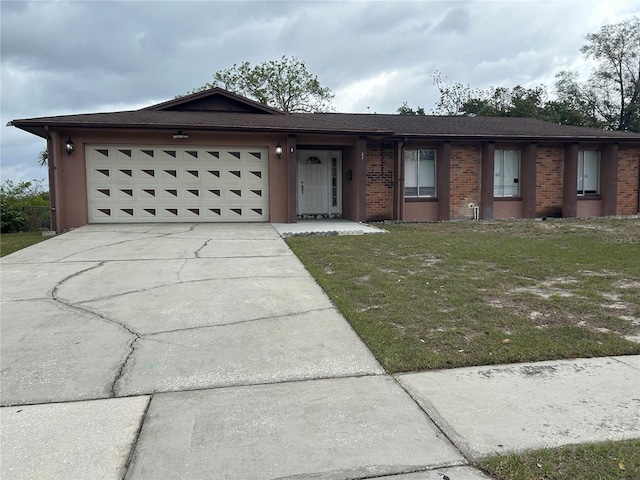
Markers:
51,164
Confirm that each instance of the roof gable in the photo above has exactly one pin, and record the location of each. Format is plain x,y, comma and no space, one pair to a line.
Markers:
214,100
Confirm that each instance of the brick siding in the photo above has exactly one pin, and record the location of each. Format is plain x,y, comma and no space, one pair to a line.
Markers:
466,171
628,178
549,168
466,161
379,191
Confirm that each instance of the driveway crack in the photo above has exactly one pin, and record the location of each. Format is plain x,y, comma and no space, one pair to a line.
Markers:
118,376
186,282
136,336
104,246
239,322
203,246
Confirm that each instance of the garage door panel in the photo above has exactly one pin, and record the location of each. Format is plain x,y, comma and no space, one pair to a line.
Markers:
157,183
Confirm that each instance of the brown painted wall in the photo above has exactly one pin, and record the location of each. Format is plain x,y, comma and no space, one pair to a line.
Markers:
425,211
549,167
349,190
465,179
628,180
507,209
379,194
589,208
369,195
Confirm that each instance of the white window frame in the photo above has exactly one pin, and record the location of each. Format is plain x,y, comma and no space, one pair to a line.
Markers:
506,186
589,160
420,187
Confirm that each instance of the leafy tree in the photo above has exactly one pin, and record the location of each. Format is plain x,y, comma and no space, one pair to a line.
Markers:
453,96
285,84
406,110
43,158
15,198
575,103
616,78
609,99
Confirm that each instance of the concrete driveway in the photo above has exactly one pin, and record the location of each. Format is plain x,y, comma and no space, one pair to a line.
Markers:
193,351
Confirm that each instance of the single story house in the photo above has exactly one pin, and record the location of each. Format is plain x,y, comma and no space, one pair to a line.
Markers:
215,156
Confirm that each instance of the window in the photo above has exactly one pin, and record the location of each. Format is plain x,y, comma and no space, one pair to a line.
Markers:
506,173
420,173
588,172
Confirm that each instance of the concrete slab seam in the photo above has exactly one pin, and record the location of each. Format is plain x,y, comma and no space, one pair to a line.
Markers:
260,384
441,423
136,439
391,476
628,364
360,473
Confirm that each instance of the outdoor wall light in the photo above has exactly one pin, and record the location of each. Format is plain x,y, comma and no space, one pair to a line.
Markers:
68,146
180,134
278,149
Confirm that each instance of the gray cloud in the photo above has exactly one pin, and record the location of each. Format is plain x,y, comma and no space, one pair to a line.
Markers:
61,57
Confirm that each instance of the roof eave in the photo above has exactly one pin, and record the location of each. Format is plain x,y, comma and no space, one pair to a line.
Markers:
520,138
35,128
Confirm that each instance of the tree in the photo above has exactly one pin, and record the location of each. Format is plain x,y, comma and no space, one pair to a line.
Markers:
575,103
458,99
284,84
609,99
43,158
17,202
616,49
406,110
452,95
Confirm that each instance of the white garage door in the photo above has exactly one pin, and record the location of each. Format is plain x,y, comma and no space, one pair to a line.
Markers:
170,184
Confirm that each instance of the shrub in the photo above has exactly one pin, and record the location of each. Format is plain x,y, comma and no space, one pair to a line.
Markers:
23,206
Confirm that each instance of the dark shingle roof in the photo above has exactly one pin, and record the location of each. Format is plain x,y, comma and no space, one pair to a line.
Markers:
459,126
217,109
200,120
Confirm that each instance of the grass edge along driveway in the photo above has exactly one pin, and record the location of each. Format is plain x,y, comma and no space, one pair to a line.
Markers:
12,242
456,294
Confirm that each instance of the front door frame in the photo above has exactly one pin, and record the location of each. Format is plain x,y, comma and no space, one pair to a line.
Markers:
333,181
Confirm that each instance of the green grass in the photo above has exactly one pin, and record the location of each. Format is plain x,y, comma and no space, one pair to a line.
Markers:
606,461
12,242
430,296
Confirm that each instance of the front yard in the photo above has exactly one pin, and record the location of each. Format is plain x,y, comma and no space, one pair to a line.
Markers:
431,296
12,242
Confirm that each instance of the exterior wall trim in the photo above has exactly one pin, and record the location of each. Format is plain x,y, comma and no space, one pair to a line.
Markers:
570,181
443,179
609,179
486,182
528,180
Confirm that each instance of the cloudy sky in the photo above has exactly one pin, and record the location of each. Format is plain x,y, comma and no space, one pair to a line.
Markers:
62,57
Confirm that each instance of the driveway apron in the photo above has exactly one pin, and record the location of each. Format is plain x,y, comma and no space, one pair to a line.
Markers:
216,353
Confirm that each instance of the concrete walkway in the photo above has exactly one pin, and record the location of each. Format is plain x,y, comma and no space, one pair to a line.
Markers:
325,226
207,351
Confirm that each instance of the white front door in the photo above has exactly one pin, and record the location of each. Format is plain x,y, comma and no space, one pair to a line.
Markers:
319,185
